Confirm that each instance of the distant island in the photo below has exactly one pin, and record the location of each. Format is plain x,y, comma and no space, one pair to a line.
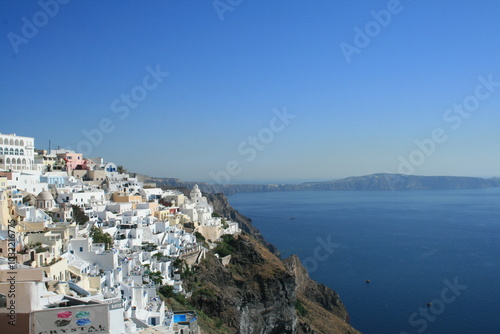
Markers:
374,182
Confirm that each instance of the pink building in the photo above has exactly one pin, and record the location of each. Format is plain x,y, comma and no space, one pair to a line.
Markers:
73,160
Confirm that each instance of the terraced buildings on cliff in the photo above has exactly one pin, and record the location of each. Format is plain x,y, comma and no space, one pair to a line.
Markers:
81,236
86,247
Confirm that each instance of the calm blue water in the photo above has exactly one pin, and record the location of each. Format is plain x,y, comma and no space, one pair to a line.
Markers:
406,243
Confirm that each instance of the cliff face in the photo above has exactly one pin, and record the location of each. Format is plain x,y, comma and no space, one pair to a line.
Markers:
257,293
323,311
253,294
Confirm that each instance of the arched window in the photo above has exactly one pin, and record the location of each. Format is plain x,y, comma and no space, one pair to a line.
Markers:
18,161
16,142
11,142
7,161
21,152
21,143
1,161
1,141
24,161
16,151
1,150
11,151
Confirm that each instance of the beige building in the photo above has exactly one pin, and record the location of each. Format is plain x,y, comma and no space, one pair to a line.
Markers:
122,197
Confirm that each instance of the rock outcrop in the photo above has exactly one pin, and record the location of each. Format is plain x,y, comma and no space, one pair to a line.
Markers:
257,293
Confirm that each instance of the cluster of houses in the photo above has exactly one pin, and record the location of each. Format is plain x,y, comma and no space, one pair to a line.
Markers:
84,246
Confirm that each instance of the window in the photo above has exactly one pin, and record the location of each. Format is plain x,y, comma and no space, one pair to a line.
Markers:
3,301
16,152
21,152
1,150
11,151
81,249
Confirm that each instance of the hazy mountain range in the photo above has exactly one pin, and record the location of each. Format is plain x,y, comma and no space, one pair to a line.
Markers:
374,182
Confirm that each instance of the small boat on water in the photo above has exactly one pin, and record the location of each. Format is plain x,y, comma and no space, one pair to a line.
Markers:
292,218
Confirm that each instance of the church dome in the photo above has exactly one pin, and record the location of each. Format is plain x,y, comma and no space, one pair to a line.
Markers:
44,196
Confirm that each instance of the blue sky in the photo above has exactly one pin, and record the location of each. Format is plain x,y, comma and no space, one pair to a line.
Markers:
227,80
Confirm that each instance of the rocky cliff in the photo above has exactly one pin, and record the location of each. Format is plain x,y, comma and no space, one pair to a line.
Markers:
257,293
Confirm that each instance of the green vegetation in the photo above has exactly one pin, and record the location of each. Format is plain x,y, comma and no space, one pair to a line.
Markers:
149,247
300,308
199,237
167,291
205,291
226,247
99,237
156,277
158,255
215,214
79,215
178,263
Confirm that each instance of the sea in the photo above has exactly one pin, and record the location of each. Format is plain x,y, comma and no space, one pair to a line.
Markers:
403,262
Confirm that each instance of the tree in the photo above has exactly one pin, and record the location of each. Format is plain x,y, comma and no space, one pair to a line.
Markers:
167,291
199,237
120,169
99,237
79,215
155,277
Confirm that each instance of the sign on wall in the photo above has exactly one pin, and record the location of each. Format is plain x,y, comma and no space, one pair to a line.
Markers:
75,319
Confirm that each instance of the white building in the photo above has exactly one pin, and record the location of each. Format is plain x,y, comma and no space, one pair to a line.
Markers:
82,197
27,182
16,153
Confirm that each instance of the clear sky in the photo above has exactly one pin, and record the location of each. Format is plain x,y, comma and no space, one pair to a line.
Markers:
356,85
